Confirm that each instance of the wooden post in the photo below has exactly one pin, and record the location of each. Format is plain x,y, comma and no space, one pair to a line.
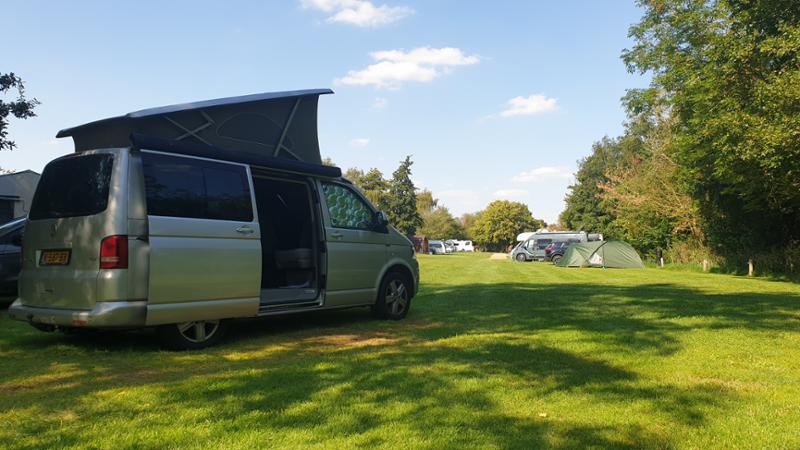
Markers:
705,265
750,269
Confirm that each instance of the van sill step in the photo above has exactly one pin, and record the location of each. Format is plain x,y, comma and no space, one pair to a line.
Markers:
266,308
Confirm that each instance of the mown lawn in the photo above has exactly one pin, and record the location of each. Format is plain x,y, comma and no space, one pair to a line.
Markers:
494,354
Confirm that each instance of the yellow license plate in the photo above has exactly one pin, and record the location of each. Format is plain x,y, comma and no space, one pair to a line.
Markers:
54,258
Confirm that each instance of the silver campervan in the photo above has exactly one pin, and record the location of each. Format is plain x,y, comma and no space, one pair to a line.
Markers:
184,216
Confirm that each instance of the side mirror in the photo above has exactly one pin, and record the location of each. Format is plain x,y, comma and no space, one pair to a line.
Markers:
381,218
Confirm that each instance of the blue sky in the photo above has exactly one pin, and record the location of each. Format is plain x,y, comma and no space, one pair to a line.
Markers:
492,99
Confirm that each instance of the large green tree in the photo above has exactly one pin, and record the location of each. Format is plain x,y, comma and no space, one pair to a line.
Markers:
426,202
372,184
440,224
19,107
498,225
729,73
402,200
467,220
650,205
586,209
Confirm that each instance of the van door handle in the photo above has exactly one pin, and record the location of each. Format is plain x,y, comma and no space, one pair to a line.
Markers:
244,229
337,235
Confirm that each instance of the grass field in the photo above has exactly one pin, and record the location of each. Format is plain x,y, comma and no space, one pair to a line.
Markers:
494,354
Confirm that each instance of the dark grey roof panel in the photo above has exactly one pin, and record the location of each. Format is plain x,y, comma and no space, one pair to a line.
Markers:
280,124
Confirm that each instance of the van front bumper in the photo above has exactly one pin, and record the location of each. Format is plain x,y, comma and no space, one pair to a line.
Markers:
103,315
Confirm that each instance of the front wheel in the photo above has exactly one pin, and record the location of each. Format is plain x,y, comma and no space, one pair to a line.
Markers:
192,335
394,297
520,257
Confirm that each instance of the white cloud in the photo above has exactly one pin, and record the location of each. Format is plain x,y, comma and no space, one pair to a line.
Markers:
527,106
361,13
510,193
380,103
392,67
359,142
545,173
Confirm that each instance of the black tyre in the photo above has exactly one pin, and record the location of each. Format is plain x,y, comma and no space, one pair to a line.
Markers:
520,257
192,335
556,259
394,297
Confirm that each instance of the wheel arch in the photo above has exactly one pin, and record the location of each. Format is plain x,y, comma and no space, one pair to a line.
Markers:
397,266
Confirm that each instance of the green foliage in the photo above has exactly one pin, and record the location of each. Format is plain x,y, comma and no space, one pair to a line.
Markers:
402,200
499,224
440,224
649,203
21,107
372,184
467,221
729,72
585,207
426,202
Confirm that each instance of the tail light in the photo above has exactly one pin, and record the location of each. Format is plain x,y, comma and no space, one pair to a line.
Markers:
114,252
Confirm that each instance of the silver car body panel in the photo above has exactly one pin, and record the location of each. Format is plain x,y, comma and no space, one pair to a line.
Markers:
102,315
81,284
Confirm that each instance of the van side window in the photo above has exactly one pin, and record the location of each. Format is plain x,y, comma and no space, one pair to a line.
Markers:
186,187
346,209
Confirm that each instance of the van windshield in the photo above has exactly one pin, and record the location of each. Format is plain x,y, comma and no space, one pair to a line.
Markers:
73,186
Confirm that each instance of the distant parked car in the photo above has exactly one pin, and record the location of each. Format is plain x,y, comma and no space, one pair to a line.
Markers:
555,251
450,246
10,257
436,248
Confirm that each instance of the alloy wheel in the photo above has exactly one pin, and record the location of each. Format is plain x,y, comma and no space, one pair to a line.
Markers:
198,331
396,297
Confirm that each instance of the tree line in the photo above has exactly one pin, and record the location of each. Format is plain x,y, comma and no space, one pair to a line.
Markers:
708,166
417,212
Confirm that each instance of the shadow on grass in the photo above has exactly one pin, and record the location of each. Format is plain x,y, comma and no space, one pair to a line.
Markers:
440,376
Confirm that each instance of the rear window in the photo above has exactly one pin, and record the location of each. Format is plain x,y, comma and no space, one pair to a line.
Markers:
73,186
193,188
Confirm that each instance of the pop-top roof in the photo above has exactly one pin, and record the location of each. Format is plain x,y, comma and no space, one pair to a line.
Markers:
279,124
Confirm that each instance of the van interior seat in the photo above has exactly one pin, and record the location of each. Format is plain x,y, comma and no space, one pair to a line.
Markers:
287,233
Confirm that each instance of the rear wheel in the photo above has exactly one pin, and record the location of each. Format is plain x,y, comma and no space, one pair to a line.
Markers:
520,257
556,259
394,297
192,335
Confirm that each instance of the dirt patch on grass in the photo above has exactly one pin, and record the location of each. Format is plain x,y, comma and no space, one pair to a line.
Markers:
352,340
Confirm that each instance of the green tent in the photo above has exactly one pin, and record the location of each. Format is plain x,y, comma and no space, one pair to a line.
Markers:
616,254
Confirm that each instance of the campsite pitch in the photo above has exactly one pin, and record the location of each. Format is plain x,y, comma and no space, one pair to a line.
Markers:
494,354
